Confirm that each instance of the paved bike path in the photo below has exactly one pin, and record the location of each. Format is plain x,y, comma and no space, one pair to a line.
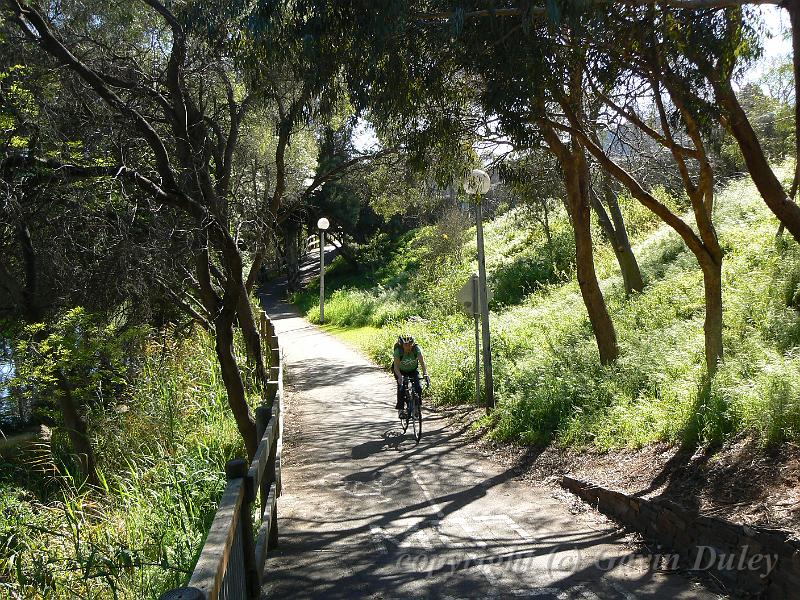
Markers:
366,513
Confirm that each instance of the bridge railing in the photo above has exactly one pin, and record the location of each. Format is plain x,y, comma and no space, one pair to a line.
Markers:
312,242
231,563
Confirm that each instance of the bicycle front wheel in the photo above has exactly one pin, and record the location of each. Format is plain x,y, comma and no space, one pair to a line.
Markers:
406,404
416,418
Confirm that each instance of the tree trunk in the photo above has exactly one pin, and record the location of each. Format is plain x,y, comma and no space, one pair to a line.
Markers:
232,377
712,283
252,339
252,275
76,429
292,256
793,6
631,275
618,236
631,272
576,171
769,187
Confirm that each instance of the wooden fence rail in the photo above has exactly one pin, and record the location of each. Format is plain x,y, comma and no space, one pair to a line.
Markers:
231,563
312,242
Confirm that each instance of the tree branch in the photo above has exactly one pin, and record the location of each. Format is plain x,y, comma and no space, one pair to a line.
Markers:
540,10
37,29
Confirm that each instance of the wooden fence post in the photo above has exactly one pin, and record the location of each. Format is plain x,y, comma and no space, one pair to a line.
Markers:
269,329
274,352
272,385
237,469
263,414
232,528
270,477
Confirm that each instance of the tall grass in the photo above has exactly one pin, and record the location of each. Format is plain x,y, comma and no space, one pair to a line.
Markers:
161,460
351,307
549,382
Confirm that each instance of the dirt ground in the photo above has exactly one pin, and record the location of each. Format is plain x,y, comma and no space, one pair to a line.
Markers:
739,482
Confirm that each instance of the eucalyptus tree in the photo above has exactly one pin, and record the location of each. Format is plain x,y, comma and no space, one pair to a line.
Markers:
545,88
67,236
643,72
586,52
527,78
179,107
180,82
425,71
718,44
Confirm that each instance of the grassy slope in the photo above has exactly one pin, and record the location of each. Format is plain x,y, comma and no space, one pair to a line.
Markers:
549,382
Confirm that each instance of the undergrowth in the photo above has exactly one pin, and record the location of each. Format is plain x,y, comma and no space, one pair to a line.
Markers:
549,383
161,451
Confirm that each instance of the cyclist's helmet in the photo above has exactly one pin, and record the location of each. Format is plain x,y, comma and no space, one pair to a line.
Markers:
405,338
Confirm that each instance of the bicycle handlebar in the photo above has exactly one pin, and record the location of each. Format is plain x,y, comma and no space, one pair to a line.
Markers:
406,379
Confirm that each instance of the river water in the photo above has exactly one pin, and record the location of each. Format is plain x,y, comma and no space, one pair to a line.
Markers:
6,373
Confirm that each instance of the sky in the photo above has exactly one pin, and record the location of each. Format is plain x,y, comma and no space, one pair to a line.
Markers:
779,45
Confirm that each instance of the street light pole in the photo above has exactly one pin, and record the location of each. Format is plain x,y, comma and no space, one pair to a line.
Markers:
476,302
478,183
323,224
484,303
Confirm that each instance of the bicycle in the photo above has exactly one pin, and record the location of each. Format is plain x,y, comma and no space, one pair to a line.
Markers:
413,407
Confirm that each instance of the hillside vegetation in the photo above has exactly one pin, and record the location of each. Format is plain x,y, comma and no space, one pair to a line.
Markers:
549,382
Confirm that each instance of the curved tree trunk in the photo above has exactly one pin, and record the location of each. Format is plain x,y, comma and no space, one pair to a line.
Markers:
625,256
231,376
618,236
575,168
576,172
768,185
252,339
712,327
793,6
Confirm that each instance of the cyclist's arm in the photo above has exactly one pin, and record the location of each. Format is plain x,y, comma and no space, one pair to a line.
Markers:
422,364
396,365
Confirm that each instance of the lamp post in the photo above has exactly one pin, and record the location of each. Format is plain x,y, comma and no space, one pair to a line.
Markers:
322,224
478,183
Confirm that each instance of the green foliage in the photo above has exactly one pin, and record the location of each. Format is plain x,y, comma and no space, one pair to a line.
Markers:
161,451
540,263
356,308
77,354
549,383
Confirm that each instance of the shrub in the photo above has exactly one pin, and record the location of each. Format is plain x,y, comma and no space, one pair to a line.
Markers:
349,307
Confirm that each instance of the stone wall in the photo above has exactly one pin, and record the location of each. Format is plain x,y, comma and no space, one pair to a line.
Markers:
757,561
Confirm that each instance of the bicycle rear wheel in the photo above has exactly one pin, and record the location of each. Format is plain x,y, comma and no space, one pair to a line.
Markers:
416,417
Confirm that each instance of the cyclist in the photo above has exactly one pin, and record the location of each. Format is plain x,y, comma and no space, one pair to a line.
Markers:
407,360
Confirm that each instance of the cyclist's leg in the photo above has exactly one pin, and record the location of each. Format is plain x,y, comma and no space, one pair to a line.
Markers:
399,404
415,382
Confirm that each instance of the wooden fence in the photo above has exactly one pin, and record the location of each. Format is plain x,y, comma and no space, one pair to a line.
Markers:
312,242
231,563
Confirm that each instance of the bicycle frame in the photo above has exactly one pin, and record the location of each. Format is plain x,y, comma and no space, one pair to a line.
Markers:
410,393
413,406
